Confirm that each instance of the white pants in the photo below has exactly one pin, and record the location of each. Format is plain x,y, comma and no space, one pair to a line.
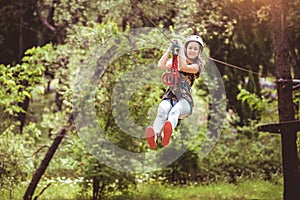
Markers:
166,111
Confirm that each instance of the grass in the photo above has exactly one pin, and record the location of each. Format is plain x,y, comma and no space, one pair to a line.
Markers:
59,189
243,190
250,189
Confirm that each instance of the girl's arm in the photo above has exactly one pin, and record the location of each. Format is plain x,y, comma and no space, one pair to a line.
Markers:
189,68
164,62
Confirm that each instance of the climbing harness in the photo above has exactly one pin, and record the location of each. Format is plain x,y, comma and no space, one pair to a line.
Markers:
171,78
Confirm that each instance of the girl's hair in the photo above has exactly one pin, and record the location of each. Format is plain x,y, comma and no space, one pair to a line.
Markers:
200,62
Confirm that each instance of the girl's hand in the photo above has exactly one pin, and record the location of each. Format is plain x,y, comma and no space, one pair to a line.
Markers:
180,43
175,46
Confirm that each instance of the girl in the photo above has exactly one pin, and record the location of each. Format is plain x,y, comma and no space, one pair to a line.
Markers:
177,101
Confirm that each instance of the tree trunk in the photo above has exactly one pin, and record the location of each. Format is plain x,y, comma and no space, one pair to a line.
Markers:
22,115
21,39
24,105
285,101
96,188
45,162
43,166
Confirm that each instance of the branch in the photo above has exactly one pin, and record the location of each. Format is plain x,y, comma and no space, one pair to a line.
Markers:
296,87
42,19
43,190
37,151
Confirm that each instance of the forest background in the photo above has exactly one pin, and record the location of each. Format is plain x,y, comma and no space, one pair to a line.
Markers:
45,42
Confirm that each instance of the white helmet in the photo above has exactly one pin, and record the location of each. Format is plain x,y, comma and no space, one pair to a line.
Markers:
194,38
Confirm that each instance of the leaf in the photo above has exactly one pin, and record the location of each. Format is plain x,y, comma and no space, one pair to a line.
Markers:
26,93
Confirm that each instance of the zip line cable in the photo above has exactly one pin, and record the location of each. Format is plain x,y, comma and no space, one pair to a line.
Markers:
233,66
168,38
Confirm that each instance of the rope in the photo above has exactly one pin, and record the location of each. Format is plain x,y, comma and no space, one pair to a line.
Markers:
168,38
152,22
232,66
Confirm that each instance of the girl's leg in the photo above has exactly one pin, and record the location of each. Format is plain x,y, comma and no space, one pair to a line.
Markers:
162,114
181,109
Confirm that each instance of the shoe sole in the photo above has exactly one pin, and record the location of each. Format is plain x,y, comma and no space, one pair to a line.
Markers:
167,133
150,135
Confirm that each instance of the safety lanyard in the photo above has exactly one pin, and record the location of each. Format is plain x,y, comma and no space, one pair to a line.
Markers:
171,78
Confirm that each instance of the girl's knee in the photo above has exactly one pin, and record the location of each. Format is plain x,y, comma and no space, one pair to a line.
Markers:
162,113
174,113
164,108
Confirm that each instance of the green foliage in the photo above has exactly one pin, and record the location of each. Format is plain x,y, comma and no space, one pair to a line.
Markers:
15,165
255,103
237,32
241,154
19,80
95,176
296,101
124,13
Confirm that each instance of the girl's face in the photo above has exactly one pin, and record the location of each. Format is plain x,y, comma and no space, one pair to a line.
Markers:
192,50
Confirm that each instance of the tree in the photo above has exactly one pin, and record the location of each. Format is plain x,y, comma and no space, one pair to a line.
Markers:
293,36
285,100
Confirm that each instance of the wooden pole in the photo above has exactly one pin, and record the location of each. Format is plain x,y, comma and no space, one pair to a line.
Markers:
285,100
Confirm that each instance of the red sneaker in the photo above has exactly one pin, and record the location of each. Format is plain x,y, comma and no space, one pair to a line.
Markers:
167,133
150,135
